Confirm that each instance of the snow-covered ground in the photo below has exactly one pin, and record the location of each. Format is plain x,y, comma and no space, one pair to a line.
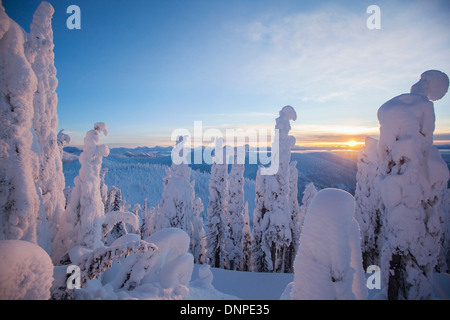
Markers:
270,286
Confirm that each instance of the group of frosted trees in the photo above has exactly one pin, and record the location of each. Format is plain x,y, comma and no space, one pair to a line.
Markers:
33,203
398,218
229,241
31,177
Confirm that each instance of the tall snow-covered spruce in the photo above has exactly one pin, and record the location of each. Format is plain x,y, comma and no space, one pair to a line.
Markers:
236,207
85,209
411,179
368,210
19,162
179,207
308,195
274,221
39,49
217,237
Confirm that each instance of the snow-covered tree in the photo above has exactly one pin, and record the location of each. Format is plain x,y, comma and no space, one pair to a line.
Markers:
103,186
295,216
114,203
148,220
19,162
273,217
262,206
85,209
308,195
443,264
411,180
114,199
247,243
368,208
328,264
62,139
236,209
217,237
198,241
179,204
39,49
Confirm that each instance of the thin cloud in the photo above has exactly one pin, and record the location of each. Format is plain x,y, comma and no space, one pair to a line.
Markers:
315,55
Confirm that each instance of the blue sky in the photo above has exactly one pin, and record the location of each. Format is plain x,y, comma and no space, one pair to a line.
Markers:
149,67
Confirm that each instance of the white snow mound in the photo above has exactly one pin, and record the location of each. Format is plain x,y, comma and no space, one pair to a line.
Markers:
328,263
26,271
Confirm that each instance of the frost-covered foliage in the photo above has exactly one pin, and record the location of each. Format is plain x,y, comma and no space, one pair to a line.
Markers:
103,186
443,264
368,207
328,264
19,159
85,209
179,207
176,207
159,266
62,139
198,242
308,195
295,217
26,271
217,236
118,223
113,205
411,179
39,50
148,220
275,220
247,243
236,209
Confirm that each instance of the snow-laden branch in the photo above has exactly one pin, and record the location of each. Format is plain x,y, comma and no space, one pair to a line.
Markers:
97,261
114,217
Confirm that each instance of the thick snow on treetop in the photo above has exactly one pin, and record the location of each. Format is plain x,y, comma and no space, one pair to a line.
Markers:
433,84
328,264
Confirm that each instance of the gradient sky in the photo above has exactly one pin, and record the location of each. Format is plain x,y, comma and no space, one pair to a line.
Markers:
148,67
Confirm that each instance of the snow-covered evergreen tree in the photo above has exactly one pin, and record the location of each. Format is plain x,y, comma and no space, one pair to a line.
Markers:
19,162
273,217
178,203
175,207
62,139
85,209
262,206
368,208
411,180
198,241
236,209
443,264
308,195
328,264
295,216
39,49
217,237
113,200
103,186
247,243
114,203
